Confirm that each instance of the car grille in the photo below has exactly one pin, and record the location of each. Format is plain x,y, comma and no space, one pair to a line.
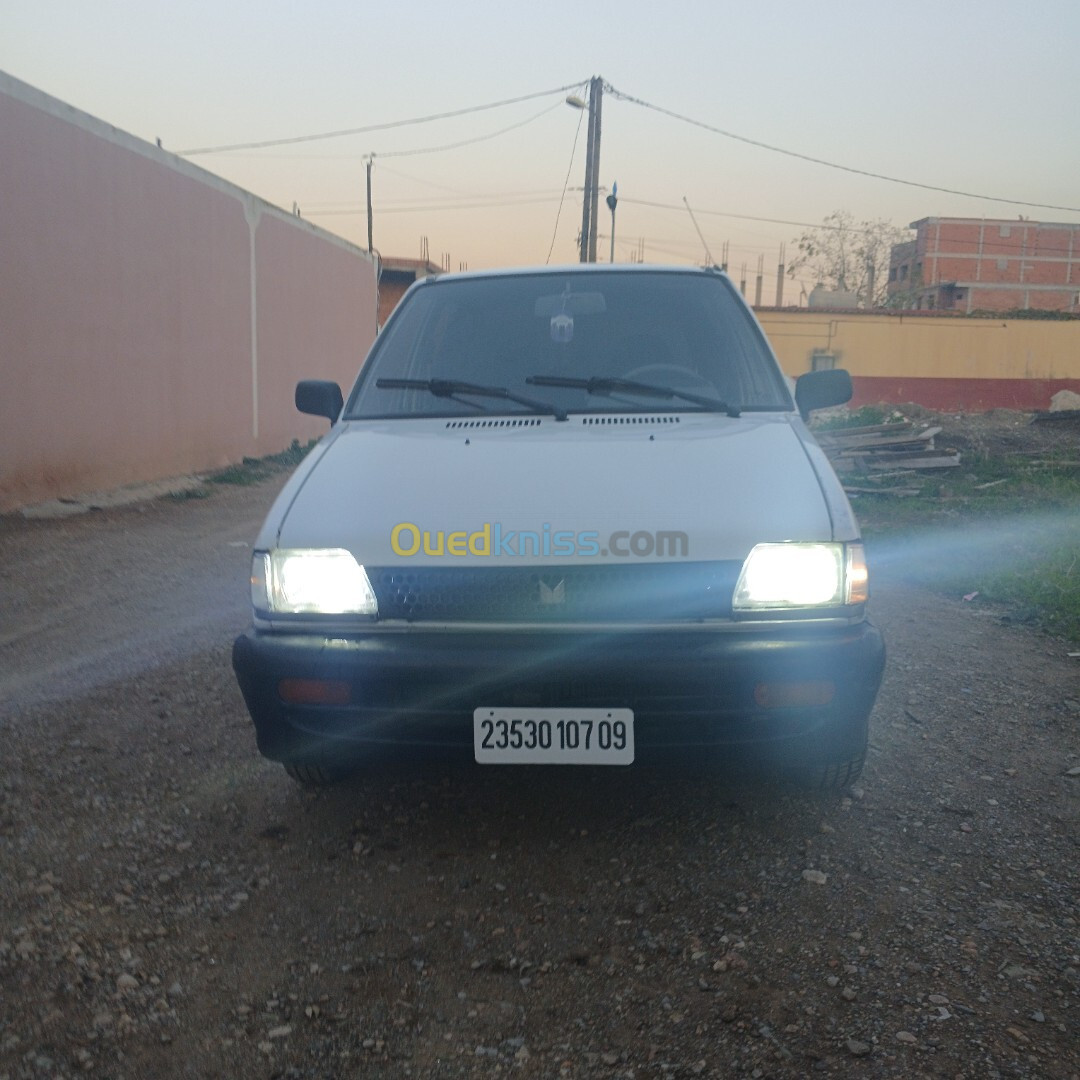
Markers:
651,592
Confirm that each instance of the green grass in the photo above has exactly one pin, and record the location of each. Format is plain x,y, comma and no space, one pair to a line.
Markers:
290,457
867,416
1007,529
188,494
255,470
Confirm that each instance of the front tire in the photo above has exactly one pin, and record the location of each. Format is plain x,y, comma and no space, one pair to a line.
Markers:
834,776
834,766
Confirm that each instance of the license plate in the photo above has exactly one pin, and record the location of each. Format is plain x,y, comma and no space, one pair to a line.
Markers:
553,736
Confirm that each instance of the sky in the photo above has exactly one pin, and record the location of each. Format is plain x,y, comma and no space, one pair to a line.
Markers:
979,96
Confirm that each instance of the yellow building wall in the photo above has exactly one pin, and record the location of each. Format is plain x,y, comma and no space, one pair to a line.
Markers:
941,362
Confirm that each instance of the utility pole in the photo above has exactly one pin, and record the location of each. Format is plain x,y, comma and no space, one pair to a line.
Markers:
591,200
780,279
596,89
371,158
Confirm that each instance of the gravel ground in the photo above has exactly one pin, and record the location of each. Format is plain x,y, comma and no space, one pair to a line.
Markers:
173,905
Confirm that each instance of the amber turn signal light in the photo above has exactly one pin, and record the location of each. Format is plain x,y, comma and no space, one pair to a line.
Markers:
315,691
786,695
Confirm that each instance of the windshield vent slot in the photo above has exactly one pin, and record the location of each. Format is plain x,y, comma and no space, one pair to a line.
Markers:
588,420
530,422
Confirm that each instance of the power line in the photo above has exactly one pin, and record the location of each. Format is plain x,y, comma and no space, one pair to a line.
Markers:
423,180
830,164
994,245
434,206
435,201
566,184
467,142
758,248
739,217
377,127
665,251
382,154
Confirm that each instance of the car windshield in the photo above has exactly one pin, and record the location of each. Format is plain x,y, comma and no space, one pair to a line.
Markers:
537,336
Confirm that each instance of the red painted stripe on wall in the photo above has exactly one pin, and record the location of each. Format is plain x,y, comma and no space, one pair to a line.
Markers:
960,395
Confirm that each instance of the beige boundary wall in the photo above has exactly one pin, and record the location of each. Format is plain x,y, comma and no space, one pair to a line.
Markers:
154,318
945,363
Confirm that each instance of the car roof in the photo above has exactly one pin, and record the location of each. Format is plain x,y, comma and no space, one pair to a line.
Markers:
585,269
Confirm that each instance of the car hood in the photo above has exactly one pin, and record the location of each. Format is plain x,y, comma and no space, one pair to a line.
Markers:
725,483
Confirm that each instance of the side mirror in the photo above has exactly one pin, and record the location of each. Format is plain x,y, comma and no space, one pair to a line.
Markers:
821,389
319,397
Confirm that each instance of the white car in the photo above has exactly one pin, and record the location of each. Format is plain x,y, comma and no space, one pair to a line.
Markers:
566,516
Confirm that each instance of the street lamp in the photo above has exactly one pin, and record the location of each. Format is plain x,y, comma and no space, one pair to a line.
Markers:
612,199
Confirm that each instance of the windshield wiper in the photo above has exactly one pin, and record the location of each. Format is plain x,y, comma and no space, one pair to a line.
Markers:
450,388
607,386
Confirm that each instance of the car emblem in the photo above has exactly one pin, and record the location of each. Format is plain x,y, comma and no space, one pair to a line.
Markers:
553,594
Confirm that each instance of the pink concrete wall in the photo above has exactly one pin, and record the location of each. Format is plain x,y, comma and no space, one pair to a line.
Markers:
299,275
154,319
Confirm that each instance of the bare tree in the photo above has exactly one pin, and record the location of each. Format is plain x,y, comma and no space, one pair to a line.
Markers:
849,255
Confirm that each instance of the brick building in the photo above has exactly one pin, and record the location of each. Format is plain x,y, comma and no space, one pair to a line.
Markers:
981,264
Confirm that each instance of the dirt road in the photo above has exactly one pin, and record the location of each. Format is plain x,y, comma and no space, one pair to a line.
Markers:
172,905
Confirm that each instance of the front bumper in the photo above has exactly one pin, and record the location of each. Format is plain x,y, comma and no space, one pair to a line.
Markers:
690,690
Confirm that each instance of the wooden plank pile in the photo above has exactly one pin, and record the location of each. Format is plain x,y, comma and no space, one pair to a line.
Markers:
884,453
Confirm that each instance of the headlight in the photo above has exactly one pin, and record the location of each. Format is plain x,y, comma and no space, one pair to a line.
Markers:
322,581
801,576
